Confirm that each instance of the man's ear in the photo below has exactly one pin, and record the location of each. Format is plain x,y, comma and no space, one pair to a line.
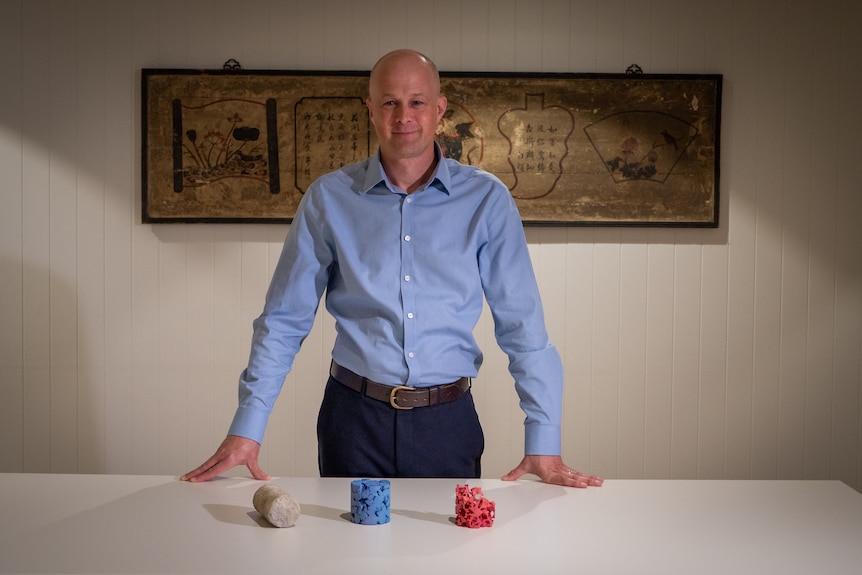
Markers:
442,103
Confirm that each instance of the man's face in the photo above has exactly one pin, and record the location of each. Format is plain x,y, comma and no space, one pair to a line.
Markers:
405,106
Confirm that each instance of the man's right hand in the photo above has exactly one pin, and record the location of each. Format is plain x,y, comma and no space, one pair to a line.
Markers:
233,451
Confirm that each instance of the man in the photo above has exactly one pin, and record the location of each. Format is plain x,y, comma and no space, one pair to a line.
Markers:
406,245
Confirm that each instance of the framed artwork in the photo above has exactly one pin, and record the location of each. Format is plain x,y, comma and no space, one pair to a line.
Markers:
574,149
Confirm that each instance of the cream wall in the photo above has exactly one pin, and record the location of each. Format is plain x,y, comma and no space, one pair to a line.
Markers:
728,353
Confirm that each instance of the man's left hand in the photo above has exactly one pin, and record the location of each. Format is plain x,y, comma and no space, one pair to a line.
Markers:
551,469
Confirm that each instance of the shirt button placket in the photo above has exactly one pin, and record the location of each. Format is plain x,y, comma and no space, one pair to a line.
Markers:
408,289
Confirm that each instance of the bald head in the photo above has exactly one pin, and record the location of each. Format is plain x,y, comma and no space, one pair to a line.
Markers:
401,60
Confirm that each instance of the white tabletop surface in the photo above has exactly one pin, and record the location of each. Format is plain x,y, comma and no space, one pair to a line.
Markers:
156,524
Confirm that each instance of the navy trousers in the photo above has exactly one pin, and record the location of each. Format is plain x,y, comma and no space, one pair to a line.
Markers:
362,437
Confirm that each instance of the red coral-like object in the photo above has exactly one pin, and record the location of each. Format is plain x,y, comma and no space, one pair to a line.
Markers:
472,509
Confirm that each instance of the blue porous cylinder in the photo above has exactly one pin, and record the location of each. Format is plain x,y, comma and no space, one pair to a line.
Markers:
369,501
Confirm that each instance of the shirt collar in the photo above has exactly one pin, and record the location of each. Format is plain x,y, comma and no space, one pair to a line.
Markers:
375,176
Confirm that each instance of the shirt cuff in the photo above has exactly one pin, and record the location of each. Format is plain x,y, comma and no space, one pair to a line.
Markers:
250,423
542,439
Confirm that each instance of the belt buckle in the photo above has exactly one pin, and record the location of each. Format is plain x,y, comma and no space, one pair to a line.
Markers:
392,397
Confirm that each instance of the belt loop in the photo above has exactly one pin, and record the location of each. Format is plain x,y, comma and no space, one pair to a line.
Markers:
363,386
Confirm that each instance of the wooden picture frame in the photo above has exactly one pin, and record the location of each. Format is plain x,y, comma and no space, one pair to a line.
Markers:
574,149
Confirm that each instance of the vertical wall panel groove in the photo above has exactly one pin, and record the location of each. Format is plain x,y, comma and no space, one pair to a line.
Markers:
11,239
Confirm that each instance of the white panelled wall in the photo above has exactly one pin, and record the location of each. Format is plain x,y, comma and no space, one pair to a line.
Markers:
722,353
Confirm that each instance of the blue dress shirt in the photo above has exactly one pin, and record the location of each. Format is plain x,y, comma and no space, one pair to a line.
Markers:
404,277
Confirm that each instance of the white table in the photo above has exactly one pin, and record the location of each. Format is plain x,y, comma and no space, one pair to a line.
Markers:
155,524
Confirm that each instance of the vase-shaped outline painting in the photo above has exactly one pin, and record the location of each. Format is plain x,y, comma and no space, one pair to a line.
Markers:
538,138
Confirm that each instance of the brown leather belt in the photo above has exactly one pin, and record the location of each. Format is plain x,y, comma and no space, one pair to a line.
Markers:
399,396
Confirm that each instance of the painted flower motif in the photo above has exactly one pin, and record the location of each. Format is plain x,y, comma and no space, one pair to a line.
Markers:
231,149
631,167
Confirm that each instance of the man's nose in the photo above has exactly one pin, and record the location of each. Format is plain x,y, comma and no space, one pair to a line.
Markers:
400,113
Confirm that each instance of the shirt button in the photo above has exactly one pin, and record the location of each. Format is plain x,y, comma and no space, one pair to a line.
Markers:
407,278
406,238
410,354
410,315
409,200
